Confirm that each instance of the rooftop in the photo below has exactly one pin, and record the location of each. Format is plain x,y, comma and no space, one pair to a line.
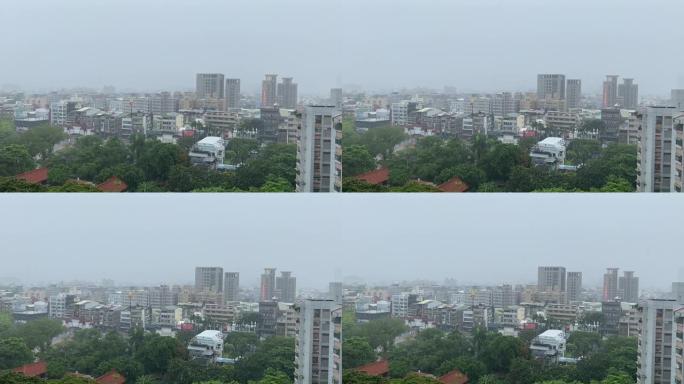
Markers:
376,368
32,370
113,184
375,177
36,176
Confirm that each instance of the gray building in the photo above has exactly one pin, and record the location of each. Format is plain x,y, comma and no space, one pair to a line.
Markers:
267,288
551,279
655,150
287,93
550,86
269,90
318,345
336,97
209,85
610,91
319,150
610,284
268,318
209,279
336,292
628,287
232,94
573,93
677,99
628,94
286,287
574,285
612,121
231,287
656,343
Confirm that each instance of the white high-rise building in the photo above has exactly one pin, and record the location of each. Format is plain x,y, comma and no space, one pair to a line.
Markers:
318,347
657,332
319,150
656,150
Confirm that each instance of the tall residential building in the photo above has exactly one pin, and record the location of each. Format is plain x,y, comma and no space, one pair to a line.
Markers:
286,287
610,284
209,279
269,90
612,122
318,345
656,343
231,287
610,91
209,86
677,99
162,103
573,92
678,292
679,351
574,283
336,292
286,94
628,287
655,152
267,289
628,94
678,173
232,94
319,151
550,86
551,279
336,97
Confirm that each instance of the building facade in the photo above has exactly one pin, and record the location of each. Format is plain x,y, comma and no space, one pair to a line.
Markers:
209,86
286,287
655,152
551,279
550,86
319,150
656,342
209,279
574,93
267,287
231,287
610,91
287,93
232,94
318,346
574,285
269,90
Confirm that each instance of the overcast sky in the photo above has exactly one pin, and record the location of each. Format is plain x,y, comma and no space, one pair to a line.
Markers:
473,238
485,45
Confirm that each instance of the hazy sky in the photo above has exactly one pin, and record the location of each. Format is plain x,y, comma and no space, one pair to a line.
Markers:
476,238
485,45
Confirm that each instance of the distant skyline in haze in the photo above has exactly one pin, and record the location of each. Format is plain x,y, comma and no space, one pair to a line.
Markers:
382,238
483,45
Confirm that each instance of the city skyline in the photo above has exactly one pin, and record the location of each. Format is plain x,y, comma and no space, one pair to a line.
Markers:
596,233
471,66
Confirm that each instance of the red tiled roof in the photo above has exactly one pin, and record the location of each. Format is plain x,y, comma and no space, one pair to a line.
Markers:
376,177
455,184
36,176
454,377
32,370
111,377
113,184
377,368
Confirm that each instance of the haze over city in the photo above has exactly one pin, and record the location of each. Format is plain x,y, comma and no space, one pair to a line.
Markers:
475,46
477,239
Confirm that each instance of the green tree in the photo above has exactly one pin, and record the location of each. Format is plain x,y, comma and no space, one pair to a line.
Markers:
14,353
238,344
15,159
356,160
583,343
74,186
356,352
415,186
381,140
500,351
41,140
350,184
156,352
39,333
275,377
500,161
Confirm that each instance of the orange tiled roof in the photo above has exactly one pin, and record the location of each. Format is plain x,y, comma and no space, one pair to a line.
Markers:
113,184
375,177
455,184
36,176
111,377
454,377
32,370
376,368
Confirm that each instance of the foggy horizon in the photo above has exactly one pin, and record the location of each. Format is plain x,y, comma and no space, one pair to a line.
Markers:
138,240
160,45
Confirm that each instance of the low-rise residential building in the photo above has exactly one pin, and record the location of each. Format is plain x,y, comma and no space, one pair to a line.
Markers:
208,152
549,152
549,346
207,345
